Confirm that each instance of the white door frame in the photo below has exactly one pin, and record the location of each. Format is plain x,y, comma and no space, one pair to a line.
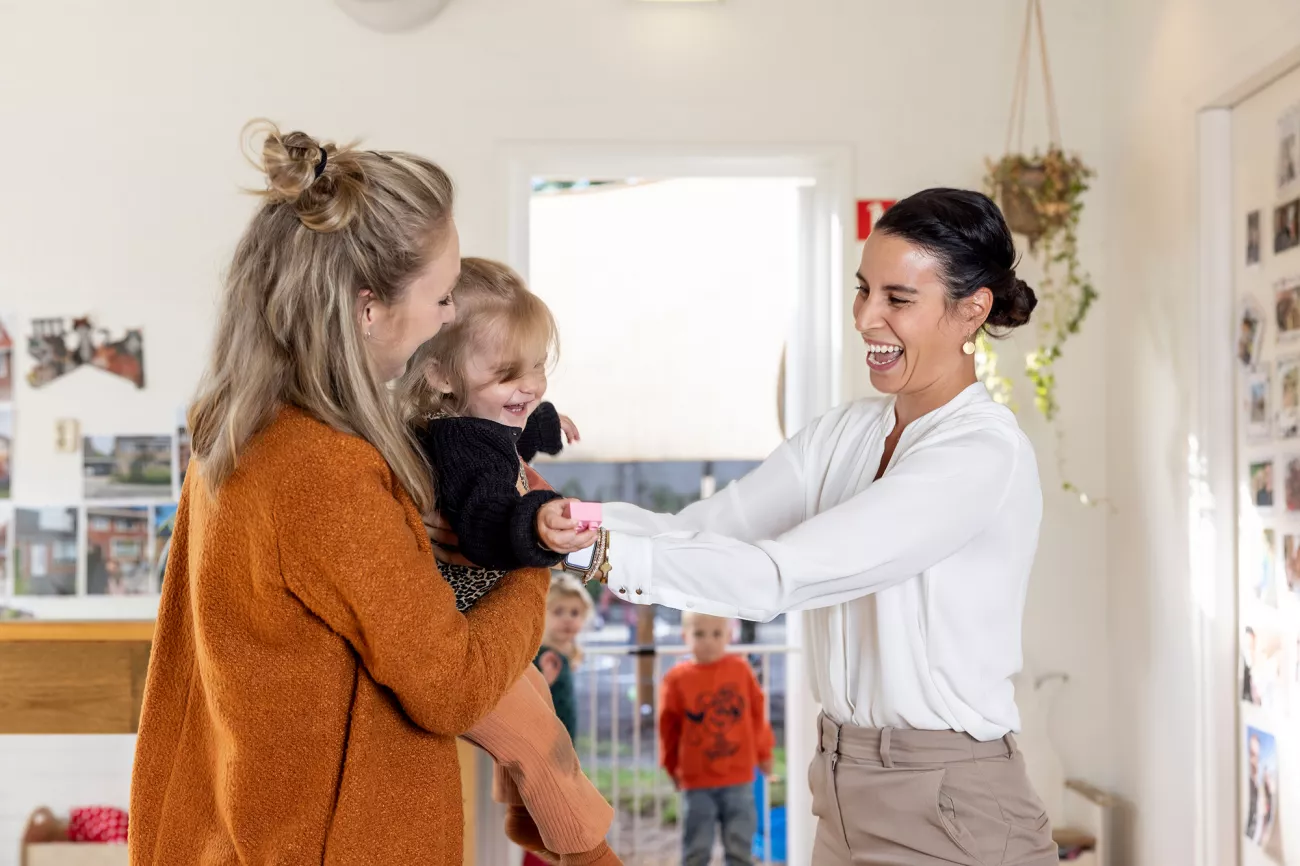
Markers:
1211,484
814,360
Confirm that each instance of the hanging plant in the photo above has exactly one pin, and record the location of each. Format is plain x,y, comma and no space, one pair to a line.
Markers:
1041,196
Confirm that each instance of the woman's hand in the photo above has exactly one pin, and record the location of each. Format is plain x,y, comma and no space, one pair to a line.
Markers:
570,430
560,533
446,546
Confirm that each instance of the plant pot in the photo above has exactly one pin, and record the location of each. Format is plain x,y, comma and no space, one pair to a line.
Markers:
1018,201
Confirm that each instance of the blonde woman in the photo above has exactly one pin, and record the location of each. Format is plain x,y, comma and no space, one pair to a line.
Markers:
310,671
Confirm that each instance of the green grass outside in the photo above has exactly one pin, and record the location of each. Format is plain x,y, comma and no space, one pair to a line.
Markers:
629,777
149,475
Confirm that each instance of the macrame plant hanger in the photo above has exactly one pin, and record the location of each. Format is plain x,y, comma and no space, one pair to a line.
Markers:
1019,207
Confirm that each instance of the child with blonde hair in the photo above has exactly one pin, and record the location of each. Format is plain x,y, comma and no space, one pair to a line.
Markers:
474,394
568,610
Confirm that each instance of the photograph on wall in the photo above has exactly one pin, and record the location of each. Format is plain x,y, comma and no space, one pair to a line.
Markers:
59,346
1261,666
6,449
1286,234
1291,564
1286,305
6,363
1261,483
6,532
118,553
1262,794
164,524
1262,574
1252,238
1259,424
127,467
1288,397
183,452
1288,152
1250,331
45,551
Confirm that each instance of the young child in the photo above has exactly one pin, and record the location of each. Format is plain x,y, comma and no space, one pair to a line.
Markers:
568,610
475,394
712,734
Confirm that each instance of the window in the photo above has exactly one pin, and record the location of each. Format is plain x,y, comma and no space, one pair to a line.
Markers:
125,548
65,550
40,565
101,524
126,524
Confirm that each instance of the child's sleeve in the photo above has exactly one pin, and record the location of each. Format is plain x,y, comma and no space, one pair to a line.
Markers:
542,433
764,739
670,725
476,471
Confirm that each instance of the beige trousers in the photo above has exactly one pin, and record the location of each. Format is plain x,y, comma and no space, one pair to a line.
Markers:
895,797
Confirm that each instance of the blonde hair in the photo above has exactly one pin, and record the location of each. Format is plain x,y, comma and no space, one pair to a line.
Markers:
334,221
564,587
494,309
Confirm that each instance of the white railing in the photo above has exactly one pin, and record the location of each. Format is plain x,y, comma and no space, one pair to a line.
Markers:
613,768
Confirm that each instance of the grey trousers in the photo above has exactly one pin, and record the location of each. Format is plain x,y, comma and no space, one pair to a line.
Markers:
895,797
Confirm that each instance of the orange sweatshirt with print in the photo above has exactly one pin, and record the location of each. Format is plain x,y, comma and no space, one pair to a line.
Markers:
713,731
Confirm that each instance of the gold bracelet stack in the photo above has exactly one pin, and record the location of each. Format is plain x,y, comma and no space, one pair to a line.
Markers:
600,565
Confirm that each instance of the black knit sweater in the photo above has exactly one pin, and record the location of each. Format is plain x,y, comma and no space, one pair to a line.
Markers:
481,488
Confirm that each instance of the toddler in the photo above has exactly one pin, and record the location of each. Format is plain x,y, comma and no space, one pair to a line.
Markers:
475,392
713,733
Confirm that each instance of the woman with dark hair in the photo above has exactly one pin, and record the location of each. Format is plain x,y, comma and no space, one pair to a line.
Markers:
906,528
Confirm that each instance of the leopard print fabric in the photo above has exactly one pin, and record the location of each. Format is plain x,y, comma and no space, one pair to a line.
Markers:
470,582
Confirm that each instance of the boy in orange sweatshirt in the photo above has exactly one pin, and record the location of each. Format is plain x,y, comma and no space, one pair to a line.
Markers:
713,733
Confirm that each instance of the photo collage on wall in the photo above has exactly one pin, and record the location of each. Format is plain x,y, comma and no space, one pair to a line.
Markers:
112,539
1267,347
6,450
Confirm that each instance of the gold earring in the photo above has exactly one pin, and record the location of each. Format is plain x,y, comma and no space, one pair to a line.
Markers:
968,347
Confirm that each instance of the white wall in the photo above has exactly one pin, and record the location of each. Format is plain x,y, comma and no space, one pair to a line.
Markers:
1168,58
119,140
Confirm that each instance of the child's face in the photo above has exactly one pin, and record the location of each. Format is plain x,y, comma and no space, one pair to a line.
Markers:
506,402
565,617
707,637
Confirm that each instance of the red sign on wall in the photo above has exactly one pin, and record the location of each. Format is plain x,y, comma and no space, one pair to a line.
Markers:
870,210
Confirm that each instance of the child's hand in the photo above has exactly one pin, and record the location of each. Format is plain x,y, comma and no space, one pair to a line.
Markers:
551,666
766,767
560,533
570,430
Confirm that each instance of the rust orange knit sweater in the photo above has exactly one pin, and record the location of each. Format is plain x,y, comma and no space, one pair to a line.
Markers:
310,672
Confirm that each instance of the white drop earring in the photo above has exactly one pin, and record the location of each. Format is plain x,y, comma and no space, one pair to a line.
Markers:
968,347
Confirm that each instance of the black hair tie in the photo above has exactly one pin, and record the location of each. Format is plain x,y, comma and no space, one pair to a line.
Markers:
320,166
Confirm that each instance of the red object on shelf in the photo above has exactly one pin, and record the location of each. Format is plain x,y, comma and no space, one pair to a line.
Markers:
97,824
870,210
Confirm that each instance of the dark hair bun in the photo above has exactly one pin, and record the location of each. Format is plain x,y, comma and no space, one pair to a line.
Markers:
1013,308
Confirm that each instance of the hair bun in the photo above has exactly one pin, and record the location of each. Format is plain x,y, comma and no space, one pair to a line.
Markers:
1015,307
323,183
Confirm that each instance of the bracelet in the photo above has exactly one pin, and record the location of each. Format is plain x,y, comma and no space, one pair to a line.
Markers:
601,564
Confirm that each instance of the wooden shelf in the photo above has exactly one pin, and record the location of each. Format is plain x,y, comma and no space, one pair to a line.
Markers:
75,630
72,677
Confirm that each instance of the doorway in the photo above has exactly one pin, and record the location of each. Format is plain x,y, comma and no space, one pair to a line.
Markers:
699,296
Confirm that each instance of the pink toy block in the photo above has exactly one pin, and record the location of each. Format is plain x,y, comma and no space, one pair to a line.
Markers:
586,513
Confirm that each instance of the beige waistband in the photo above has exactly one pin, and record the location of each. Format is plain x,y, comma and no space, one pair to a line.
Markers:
903,745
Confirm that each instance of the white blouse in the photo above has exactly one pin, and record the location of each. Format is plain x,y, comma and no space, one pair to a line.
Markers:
914,585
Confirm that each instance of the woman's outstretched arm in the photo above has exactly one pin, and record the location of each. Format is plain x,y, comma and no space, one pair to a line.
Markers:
931,504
